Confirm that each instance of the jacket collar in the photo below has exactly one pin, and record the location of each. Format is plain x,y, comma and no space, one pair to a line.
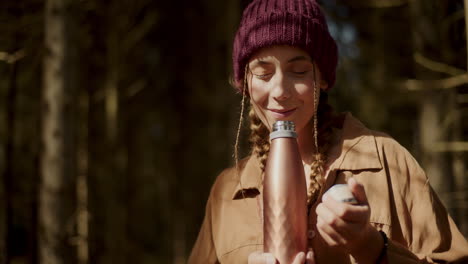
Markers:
356,150
357,147
250,178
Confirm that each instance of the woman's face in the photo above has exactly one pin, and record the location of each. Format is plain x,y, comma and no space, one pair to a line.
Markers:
281,85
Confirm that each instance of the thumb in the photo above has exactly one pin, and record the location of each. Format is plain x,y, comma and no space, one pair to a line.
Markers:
300,258
258,257
310,258
358,191
269,258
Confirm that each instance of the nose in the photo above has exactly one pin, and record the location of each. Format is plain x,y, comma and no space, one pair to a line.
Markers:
281,88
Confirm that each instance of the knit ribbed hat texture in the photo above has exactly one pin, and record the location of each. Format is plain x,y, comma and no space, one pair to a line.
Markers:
298,23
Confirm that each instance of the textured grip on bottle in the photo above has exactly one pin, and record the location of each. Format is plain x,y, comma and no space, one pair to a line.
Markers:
283,134
282,239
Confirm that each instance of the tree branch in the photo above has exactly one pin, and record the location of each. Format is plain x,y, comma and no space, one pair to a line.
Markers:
436,66
454,146
377,3
447,83
11,58
139,31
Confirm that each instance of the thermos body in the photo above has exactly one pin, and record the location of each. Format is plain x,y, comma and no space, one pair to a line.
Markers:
284,198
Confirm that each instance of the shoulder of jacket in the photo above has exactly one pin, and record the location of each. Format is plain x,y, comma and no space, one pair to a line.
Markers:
401,164
391,148
382,139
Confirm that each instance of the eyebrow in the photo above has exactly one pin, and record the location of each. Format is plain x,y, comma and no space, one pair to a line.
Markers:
299,58
260,62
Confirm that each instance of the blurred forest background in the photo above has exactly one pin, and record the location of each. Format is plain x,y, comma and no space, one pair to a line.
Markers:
116,116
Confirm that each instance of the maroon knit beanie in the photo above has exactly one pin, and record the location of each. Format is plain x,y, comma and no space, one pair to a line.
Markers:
298,23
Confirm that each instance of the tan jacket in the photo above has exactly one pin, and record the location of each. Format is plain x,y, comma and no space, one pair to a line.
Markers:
403,205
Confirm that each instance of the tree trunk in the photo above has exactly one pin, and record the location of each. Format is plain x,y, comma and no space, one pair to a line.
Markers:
459,168
6,190
57,193
82,227
459,158
107,178
425,38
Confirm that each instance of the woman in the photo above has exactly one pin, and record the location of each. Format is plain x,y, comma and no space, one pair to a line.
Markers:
284,63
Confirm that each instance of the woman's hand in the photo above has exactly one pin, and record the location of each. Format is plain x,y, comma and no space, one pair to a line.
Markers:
258,257
347,226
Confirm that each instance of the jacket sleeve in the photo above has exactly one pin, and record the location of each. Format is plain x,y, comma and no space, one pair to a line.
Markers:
204,249
430,234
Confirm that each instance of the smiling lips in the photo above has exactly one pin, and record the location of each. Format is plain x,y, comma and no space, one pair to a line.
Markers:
282,113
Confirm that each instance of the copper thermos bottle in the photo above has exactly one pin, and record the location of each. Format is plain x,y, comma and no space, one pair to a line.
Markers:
284,196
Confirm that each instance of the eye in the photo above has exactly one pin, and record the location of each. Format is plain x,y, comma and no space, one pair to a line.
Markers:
300,72
265,76
300,68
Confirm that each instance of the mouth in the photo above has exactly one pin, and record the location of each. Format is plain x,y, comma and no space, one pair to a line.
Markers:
282,113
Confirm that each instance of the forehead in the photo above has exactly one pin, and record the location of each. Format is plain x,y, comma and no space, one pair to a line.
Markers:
278,53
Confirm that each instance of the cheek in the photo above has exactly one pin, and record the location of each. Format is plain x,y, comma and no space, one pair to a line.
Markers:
259,100
305,93
306,96
305,89
258,93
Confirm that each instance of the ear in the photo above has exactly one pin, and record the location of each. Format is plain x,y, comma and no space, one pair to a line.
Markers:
323,85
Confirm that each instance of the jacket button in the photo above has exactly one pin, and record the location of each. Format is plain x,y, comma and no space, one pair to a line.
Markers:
311,234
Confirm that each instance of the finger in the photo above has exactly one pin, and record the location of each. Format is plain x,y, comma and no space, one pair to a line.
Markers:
358,191
347,230
347,212
329,216
258,257
268,258
300,258
328,240
329,234
310,257
254,257
342,228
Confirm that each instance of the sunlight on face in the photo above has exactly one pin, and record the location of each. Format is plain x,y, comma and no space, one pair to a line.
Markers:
281,85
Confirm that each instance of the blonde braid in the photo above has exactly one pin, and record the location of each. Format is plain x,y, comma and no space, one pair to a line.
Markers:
324,134
259,138
241,119
316,168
